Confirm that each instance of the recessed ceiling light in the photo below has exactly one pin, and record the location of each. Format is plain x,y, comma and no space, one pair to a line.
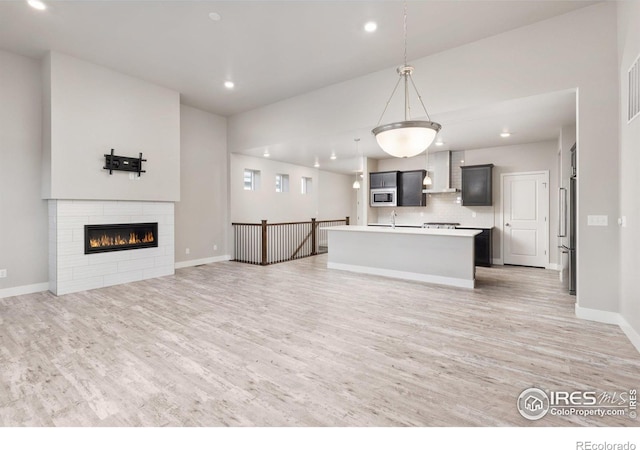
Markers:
214,16
229,84
266,154
505,134
37,4
333,156
439,143
316,164
370,27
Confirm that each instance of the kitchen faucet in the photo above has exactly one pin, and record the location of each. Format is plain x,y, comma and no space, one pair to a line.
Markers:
393,218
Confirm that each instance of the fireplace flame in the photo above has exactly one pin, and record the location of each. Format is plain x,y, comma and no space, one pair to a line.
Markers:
110,241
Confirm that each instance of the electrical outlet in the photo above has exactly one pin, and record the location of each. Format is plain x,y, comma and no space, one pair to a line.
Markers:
473,214
187,251
597,221
3,273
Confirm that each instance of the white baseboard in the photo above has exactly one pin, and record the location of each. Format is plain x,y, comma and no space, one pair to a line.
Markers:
435,279
497,262
597,315
198,262
41,287
632,334
22,290
612,318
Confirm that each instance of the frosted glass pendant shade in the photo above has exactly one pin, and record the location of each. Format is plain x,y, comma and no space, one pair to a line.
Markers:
427,180
407,138
356,184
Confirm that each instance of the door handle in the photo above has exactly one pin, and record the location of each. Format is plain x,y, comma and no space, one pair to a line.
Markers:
507,224
562,212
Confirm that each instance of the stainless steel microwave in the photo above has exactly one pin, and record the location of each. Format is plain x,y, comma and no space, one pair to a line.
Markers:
384,197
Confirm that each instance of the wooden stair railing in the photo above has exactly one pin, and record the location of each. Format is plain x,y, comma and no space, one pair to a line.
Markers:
269,243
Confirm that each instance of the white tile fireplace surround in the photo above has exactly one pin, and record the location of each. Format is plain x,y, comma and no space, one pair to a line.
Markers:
70,270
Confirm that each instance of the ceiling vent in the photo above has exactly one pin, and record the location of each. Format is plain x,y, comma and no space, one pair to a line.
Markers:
634,90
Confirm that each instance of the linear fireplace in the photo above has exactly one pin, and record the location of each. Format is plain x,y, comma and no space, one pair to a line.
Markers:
116,237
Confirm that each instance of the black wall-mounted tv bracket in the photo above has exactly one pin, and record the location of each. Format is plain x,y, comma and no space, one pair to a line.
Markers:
124,163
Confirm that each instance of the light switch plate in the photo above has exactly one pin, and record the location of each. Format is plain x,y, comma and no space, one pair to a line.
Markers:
3,273
597,221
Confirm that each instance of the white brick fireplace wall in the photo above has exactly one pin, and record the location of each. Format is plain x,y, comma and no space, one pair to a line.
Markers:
70,270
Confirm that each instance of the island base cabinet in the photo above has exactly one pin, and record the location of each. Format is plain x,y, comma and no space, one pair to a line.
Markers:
432,256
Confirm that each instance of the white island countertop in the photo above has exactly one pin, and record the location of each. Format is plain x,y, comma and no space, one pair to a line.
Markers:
440,256
406,229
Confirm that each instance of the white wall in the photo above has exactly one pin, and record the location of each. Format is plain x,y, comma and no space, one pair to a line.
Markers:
575,50
23,213
330,197
94,109
336,196
367,214
202,215
629,49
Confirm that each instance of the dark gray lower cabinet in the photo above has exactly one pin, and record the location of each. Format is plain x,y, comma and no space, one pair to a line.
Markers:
483,246
410,188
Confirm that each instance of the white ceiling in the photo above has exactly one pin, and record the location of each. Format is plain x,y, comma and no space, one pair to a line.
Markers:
274,50
531,119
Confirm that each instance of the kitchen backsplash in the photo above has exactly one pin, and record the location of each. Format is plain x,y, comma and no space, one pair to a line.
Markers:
440,208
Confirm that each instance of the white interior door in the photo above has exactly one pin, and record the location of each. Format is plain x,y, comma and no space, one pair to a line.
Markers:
525,212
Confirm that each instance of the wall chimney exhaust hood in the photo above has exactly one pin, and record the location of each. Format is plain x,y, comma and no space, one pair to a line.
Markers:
440,172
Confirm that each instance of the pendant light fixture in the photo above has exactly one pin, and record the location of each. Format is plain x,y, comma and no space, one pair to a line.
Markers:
408,137
356,184
427,179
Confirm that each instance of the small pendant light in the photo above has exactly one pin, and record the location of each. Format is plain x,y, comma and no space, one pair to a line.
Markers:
427,179
356,184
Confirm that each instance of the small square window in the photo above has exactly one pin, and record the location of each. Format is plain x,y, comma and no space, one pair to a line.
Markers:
306,185
251,180
282,182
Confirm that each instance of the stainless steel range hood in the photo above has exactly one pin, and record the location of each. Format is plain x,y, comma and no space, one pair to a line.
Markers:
440,173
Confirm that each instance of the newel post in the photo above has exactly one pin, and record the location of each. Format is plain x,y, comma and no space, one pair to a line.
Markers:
264,243
314,232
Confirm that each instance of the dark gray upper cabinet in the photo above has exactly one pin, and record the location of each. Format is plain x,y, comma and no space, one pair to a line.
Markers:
379,180
410,188
477,185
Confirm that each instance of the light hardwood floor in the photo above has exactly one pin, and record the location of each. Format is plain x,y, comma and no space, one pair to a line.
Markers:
298,344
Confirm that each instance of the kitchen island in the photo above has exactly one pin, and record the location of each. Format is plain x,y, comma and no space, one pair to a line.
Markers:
430,255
